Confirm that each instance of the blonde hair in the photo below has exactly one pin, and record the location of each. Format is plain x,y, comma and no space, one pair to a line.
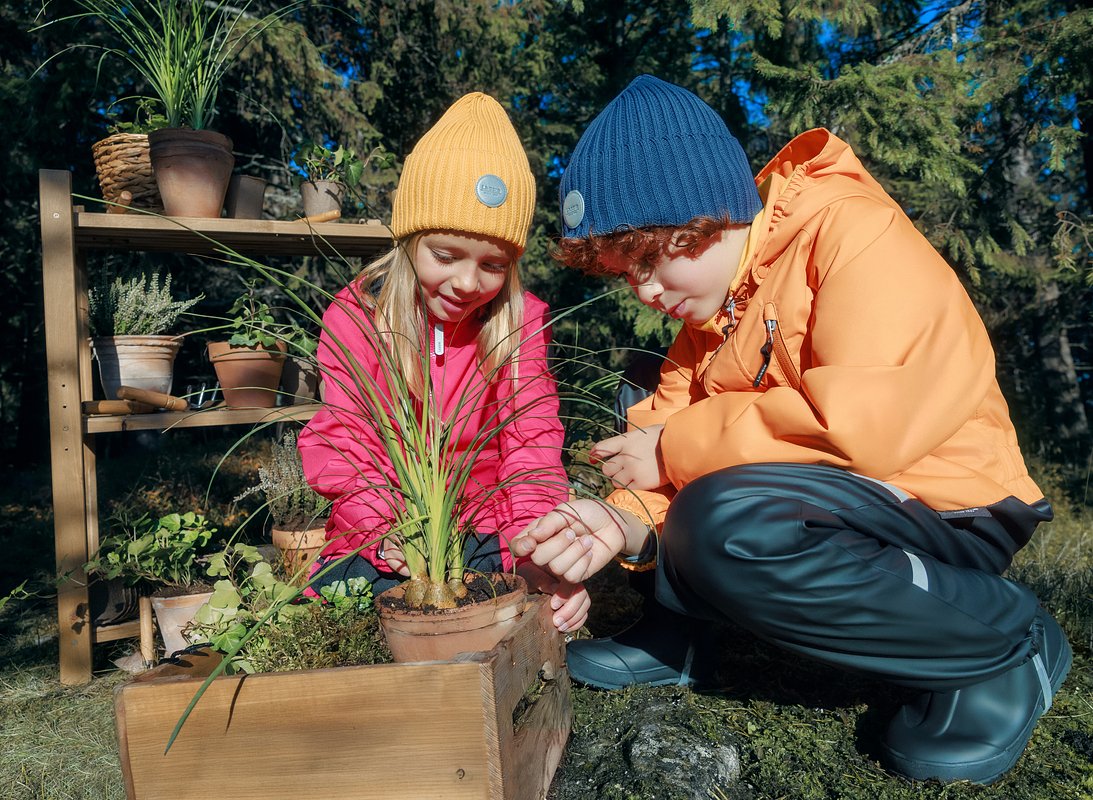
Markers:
398,314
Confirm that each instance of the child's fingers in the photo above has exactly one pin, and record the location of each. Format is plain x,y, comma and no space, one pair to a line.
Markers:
572,614
573,562
605,449
551,553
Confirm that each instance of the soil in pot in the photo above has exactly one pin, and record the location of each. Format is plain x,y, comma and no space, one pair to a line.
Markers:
438,635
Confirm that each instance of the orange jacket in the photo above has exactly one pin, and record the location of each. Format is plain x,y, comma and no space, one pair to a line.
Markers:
878,361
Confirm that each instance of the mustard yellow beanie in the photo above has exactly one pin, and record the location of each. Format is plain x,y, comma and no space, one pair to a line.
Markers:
467,173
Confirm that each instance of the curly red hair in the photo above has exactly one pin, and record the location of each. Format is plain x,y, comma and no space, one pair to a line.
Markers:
639,245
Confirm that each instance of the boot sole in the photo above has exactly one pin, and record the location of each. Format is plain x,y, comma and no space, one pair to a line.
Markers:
991,769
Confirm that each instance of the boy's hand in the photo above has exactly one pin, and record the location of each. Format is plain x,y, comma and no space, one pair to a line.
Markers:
577,538
632,460
569,601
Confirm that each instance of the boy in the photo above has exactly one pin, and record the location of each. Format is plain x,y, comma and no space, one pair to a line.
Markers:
827,459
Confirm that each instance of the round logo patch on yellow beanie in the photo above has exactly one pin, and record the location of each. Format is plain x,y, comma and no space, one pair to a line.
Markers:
467,173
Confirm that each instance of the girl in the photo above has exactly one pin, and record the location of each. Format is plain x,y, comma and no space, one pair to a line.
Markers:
447,295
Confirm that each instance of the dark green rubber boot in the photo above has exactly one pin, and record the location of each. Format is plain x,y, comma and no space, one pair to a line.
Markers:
661,649
978,733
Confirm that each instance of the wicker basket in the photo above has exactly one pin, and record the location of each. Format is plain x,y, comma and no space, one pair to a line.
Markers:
123,164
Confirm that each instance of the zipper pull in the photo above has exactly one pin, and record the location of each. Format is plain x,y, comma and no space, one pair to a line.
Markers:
767,349
438,339
730,309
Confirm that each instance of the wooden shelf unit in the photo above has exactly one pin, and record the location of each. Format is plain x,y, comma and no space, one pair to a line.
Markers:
68,232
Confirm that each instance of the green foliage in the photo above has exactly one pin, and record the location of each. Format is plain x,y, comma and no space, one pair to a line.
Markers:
147,117
321,637
138,306
163,552
252,619
181,48
341,164
291,501
253,324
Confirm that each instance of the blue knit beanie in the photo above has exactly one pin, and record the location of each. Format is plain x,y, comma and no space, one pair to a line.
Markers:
656,155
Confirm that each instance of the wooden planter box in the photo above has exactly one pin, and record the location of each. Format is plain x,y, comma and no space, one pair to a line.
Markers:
430,730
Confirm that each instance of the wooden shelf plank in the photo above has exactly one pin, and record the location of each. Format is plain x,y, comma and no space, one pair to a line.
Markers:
169,420
149,233
119,630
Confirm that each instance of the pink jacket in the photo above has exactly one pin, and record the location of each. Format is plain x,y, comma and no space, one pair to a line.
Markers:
344,462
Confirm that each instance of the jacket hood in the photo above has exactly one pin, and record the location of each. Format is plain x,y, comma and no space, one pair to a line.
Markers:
812,156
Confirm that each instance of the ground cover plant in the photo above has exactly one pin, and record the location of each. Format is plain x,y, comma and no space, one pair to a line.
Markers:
799,729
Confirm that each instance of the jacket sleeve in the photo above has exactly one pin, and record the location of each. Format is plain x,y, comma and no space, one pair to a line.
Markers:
342,457
530,442
675,391
897,361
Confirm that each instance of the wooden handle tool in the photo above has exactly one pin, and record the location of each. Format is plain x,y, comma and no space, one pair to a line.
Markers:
116,407
326,216
157,399
124,200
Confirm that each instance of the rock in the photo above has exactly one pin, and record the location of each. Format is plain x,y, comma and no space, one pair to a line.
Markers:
686,765
650,752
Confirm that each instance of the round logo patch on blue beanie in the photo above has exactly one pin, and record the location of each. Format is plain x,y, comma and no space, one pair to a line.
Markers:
491,190
573,209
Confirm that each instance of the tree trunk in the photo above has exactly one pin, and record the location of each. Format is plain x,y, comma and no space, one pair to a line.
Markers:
1064,411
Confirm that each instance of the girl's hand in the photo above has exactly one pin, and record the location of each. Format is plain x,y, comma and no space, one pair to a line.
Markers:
577,538
390,550
569,601
632,460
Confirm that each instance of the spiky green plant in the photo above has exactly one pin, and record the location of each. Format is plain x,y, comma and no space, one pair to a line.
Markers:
181,48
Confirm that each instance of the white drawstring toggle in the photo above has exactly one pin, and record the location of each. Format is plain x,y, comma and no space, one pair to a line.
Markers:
438,339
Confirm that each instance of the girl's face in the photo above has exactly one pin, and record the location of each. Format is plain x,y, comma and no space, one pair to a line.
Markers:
683,286
460,273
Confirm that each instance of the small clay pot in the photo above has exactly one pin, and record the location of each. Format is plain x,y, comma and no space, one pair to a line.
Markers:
249,376
438,635
245,198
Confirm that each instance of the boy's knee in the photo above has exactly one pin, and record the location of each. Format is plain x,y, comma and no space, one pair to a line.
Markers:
731,516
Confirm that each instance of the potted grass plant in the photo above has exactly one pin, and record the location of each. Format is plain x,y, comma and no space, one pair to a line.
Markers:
298,512
129,321
182,50
161,557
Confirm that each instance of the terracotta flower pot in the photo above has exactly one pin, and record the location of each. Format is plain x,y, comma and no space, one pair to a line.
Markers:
173,614
192,170
299,381
143,362
321,196
415,635
249,376
245,198
298,548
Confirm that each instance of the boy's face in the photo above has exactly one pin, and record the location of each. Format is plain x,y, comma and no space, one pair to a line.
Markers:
692,289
